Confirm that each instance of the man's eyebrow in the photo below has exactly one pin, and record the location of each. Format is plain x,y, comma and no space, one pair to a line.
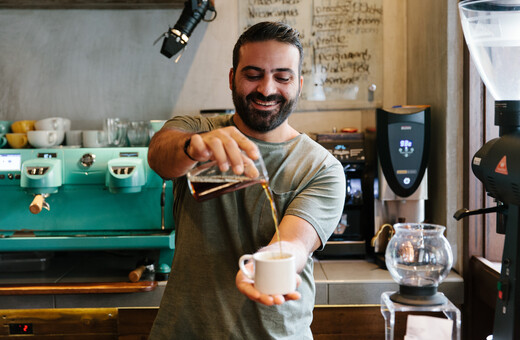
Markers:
254,68
259,69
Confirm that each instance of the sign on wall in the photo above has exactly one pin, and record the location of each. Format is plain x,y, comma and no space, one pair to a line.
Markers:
343,44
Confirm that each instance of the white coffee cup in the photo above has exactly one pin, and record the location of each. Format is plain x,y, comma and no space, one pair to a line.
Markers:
53,123
274,273
74,137
66,124
44,138
94,138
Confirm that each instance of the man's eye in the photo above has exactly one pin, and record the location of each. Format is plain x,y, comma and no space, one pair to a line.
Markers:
253,76
283,79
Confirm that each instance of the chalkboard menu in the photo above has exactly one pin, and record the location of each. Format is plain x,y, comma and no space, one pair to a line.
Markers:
343,44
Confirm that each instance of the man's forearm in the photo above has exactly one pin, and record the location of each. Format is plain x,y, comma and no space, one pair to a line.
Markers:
166,153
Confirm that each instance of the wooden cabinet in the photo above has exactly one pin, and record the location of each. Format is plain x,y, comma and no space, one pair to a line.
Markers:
77,323
330,322
359,322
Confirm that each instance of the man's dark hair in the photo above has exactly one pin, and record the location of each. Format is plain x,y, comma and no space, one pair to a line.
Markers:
267,30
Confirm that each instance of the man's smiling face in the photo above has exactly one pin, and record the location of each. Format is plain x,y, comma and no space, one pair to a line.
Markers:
266,84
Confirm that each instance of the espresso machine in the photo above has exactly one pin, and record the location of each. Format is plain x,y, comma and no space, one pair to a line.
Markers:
349,239
84,199
401,184
492,32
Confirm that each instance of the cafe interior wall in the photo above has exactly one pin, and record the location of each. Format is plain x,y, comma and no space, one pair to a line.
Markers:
90,64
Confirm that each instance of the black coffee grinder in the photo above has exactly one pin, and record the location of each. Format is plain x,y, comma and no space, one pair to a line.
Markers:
492,32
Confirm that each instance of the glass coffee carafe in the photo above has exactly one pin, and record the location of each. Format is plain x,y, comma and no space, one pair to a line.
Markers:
207,180
418,257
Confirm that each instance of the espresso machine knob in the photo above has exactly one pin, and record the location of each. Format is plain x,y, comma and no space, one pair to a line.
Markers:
87,160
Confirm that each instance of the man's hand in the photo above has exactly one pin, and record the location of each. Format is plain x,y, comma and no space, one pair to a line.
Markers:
224,145
246,286
228,146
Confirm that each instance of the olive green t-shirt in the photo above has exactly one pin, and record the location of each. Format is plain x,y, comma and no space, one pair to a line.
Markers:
201,300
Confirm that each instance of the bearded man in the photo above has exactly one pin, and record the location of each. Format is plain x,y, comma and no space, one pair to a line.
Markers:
205,297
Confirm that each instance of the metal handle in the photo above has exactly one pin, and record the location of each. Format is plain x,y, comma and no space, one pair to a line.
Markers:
461,213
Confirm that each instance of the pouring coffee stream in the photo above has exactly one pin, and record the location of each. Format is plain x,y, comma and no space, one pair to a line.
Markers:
269,194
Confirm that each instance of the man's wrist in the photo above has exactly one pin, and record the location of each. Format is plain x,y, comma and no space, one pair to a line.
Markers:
186,146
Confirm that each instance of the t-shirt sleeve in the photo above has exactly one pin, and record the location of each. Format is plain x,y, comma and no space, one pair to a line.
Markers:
185,123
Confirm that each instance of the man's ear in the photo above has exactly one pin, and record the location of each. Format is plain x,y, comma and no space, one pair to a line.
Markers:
231,75
301,86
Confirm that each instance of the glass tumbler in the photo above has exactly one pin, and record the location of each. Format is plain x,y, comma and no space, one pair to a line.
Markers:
138,133
115,129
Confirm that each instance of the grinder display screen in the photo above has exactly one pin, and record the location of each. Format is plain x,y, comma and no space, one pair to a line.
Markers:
10,162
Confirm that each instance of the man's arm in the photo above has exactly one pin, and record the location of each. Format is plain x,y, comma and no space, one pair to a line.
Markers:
167,157
166,153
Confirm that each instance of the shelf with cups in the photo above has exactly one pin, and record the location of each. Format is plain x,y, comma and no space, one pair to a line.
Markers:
55,132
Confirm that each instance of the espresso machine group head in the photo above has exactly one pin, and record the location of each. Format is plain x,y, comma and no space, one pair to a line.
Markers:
492,32
125,175
41,177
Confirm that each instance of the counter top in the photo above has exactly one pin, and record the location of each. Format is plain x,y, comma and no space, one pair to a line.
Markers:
338,282
361,282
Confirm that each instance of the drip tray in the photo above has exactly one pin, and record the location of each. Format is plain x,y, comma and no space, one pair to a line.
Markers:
24,261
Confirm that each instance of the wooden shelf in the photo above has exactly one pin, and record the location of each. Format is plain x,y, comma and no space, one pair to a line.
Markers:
78,288
92,4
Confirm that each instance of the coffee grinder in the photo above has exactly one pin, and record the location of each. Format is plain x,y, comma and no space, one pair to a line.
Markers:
492,32
401,185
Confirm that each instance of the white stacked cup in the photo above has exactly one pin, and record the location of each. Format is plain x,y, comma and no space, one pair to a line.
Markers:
94,138
74,138
50,132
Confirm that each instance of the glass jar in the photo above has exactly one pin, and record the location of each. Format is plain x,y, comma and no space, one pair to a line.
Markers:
418,258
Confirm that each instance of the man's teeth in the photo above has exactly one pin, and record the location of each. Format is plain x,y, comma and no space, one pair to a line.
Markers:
265,103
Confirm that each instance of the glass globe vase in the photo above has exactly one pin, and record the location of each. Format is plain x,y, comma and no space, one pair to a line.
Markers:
418,258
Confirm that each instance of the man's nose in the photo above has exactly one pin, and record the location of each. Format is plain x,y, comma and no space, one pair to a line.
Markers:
267,86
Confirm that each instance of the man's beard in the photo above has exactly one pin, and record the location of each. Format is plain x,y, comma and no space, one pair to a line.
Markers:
262,120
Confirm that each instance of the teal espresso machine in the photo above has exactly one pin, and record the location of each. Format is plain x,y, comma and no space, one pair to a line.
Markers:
81,199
